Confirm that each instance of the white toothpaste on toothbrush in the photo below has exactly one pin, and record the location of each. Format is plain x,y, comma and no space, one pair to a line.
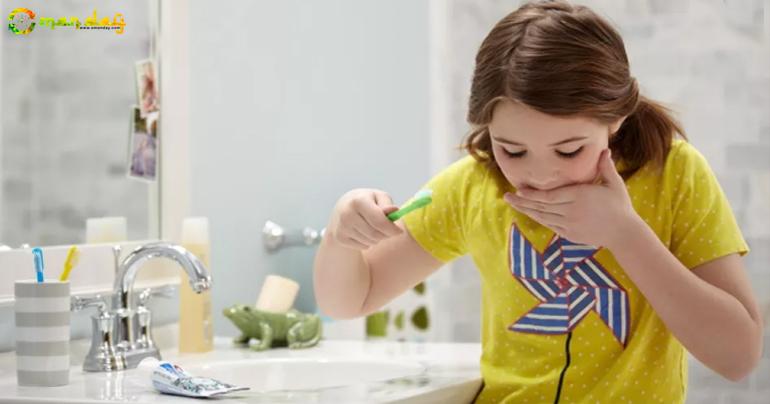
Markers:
168,378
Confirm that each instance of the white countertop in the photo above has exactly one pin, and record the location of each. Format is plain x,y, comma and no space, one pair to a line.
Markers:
451,374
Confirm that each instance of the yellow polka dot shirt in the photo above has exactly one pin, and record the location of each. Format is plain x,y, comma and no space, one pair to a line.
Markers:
562,319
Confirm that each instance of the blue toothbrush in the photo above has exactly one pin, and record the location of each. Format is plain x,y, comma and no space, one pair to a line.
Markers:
39,264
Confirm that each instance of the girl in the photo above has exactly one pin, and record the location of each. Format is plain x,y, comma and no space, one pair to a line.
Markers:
605,245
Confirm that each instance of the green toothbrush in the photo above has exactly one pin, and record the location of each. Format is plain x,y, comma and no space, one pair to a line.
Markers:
421,199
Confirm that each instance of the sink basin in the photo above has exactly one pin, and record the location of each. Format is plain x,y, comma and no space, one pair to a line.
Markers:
280,374
332,372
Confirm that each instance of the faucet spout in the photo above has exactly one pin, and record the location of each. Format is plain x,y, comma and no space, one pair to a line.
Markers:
199,277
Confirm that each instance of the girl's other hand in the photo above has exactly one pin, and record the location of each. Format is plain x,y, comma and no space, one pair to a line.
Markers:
597,214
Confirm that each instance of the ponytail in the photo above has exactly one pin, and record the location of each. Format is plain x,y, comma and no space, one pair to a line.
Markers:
645,136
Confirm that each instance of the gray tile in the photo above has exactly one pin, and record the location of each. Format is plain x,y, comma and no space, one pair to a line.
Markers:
760,381
702,378
758,258
751,156
745,397
668,7
702,396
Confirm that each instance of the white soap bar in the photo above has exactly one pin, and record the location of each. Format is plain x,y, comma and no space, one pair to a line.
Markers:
278,294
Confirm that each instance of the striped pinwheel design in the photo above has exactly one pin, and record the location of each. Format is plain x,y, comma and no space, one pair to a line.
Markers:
570,283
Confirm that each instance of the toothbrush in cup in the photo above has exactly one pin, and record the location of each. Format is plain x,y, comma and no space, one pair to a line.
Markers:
72,259
39,264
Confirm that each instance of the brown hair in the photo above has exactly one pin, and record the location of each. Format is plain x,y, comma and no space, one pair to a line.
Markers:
566,60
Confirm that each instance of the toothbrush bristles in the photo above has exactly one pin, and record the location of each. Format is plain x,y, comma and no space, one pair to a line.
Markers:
423,193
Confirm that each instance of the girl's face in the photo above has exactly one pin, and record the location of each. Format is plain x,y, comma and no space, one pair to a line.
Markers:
535,150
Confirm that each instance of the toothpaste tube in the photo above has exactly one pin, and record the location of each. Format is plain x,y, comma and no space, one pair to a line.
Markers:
168,378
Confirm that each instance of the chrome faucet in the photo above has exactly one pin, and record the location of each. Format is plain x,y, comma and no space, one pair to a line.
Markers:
129,330
137,347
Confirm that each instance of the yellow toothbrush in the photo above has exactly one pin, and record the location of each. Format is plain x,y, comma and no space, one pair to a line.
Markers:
72,259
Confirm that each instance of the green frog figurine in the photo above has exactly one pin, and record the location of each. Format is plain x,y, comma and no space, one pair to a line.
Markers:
293,328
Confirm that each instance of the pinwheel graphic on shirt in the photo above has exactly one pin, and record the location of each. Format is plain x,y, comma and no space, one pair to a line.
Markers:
570,283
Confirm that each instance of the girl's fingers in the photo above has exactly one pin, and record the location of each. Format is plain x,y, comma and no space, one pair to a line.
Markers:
382,199
547,218
363,237
362,219
353,225
377,218
519,202
556,196
353,243
369,226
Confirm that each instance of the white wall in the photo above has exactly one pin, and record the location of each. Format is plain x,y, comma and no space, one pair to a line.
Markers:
292,104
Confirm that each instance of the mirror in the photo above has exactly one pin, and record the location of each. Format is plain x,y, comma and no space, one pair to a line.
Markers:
69,85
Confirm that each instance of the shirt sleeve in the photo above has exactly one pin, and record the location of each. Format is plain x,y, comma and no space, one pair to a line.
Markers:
703,226
440,227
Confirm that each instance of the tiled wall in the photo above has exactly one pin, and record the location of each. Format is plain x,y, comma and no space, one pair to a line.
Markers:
66,96
710,59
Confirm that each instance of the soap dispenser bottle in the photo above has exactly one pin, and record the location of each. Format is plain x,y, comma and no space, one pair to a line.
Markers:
196,333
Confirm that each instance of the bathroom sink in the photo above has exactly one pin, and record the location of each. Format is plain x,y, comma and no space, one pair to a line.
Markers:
279,374
332,372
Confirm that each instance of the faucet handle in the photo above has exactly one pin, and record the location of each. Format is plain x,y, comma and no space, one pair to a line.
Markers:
101,356
78,303
166,291
144,338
